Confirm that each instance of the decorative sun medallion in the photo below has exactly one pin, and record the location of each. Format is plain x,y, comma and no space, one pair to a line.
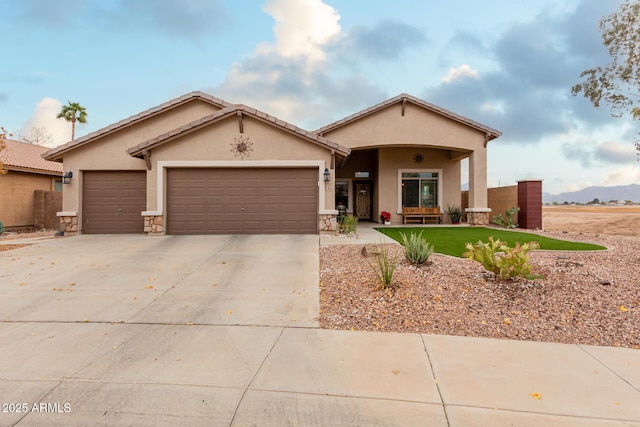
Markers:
418,158
241,147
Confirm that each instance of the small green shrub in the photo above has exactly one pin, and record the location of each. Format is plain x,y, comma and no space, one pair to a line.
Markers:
511,214
416,249
500,259
349,224
384,267
1,227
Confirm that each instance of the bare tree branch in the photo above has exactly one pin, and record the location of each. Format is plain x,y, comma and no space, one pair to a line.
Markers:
37,136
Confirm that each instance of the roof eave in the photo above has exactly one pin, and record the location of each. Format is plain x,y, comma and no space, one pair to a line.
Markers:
11,168
173,134
416,101
53,158
137,150
55,154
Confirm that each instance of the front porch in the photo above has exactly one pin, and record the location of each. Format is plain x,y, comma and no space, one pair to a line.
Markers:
406,152
392,179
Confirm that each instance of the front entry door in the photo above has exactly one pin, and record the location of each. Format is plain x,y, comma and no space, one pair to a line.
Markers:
363,200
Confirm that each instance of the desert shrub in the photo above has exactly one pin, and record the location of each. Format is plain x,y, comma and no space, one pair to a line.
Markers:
500,259
416,248
349,224
384,267
1,227
508,223
454,212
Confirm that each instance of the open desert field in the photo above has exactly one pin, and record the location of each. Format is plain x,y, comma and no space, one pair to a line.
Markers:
610,220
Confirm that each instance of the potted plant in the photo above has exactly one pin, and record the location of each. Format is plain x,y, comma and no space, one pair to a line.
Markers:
455,213
385,217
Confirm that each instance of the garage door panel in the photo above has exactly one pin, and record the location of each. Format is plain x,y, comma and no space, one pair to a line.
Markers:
272,210
242,201
112,201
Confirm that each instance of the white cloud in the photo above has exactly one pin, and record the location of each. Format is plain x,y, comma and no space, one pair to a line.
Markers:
463,71
291,78
616,152
623,176
302,28
44,117
492,107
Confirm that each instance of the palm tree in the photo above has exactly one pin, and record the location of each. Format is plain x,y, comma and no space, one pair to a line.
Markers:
73,112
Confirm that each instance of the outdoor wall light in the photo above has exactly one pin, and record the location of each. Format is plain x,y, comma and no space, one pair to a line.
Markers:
66,178
327,175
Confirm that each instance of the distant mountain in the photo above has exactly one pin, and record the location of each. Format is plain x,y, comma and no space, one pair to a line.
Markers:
604,194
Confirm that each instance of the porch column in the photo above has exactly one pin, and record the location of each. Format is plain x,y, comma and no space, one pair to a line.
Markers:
478,211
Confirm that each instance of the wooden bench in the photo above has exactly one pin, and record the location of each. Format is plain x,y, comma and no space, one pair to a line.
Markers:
421,215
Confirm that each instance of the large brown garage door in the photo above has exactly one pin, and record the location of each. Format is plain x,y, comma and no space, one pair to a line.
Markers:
112,202
242,201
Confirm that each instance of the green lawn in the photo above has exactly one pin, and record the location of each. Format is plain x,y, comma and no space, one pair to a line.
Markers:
451,240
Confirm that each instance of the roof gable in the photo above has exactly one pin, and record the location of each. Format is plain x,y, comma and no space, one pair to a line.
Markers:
239,111
404,98
56,153
22,156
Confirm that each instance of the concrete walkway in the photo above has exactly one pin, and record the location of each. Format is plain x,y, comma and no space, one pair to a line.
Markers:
164,362
367,234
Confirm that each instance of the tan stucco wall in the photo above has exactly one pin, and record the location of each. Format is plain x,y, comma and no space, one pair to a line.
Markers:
214,143
17,196
417,127
502,198
499,199
390,160
110,152
478,179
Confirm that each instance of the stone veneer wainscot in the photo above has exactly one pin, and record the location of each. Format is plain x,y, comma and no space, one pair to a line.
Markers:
153,224
68,222
328,222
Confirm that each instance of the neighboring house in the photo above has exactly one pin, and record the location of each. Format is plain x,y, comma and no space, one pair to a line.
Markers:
27,172
199,165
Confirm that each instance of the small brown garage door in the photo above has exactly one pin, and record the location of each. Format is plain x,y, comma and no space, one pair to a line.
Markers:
113,201
242,201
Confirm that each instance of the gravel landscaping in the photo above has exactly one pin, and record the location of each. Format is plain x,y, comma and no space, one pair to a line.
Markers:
585,298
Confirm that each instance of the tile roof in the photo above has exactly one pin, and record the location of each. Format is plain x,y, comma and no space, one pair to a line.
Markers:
28,157
341,152
55,153
492,133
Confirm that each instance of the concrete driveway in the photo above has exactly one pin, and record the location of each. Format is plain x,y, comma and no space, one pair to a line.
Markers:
212,280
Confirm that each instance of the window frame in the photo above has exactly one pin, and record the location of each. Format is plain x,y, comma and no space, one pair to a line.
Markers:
349,182
399,184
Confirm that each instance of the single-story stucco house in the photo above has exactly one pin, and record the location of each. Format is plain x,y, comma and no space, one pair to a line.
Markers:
200,165
27,173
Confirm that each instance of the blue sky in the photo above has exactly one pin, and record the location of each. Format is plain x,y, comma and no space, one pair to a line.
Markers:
509,64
